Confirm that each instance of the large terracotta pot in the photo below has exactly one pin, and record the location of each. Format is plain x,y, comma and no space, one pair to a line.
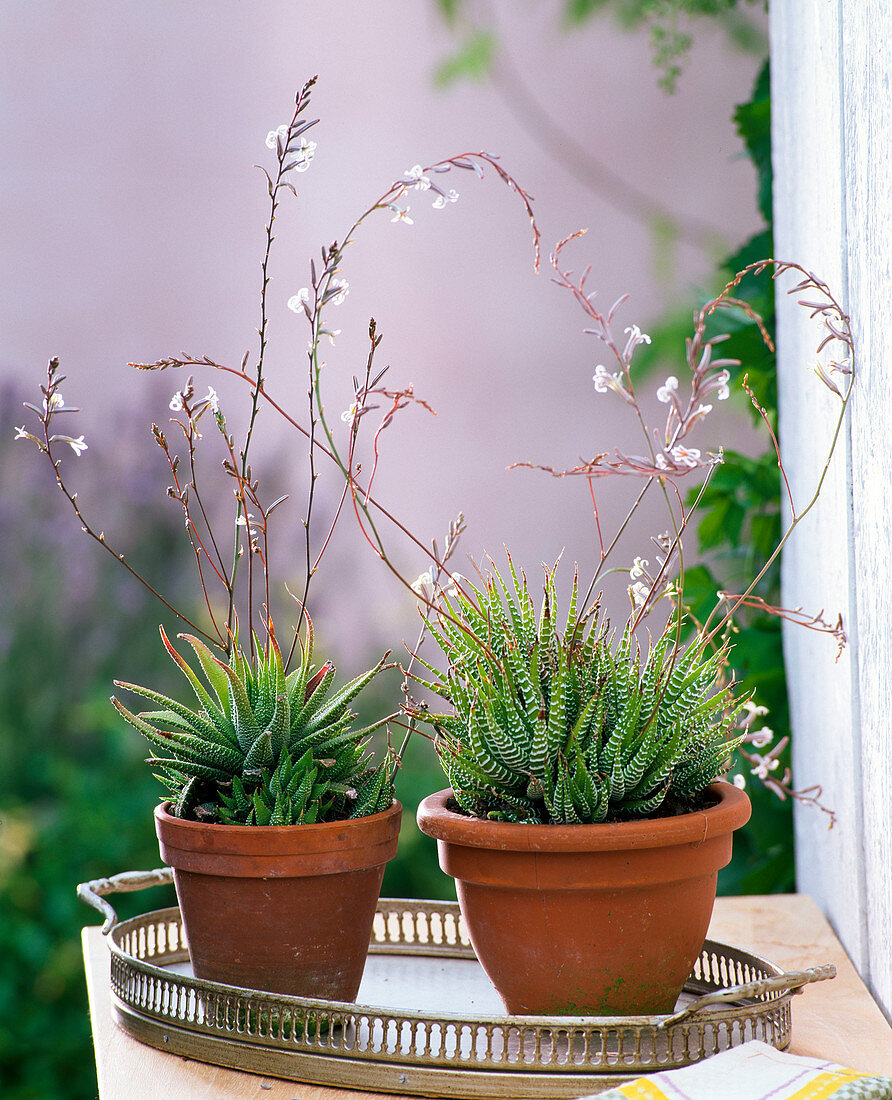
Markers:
288,908
596,920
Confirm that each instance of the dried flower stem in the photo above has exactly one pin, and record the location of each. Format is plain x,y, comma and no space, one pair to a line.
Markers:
46,416
839,325
325,290
182,494
292,151
295,129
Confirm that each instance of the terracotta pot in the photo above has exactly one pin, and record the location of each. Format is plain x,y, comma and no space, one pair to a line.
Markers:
598,920
287,909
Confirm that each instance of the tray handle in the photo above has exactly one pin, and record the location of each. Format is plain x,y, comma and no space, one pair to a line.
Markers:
793,980
93,893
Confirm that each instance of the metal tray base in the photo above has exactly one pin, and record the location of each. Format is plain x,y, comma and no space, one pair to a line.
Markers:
405,1035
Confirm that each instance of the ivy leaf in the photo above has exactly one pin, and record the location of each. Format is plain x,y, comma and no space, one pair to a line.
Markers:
764,533
699,591
753,121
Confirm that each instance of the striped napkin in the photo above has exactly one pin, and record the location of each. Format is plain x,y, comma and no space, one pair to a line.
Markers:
755,1071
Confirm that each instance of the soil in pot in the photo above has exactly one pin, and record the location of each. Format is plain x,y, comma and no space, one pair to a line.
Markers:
288,909
597,920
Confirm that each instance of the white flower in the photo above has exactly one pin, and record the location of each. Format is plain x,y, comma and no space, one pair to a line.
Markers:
826,379
605,381
636,337
299,159
664,393
55,402
723,377
761,737
753,710
243,522
400,214
77,445
212,399
662,464
273,136
639,592
21,433
452,588
739,781
176,402
415,175
342,287
764,765
702,410
638,567
349,415
421,581
686,456
297,301
441,200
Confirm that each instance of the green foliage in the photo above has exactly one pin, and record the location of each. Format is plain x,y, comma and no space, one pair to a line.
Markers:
632,12
75,795
666,20
763,849
746,343
472,61
415,873
449,9
743,509
739,522
753,121
571,727
266,748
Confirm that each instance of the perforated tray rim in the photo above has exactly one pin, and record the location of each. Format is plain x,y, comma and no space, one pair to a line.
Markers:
419,1053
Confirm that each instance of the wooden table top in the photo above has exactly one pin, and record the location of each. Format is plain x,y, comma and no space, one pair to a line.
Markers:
834,1020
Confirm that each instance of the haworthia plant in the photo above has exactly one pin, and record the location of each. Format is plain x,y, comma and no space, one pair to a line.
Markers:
575,726
263,747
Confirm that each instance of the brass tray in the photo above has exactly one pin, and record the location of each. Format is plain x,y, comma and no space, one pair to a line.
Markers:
427,1021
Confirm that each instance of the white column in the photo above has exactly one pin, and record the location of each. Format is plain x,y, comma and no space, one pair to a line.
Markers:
832,152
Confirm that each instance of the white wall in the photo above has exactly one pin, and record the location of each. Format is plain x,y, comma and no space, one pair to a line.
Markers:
832,150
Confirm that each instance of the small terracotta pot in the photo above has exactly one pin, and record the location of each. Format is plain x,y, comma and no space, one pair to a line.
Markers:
288,908
602,920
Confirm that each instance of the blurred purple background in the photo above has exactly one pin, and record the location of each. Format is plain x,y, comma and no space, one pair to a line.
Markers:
133,228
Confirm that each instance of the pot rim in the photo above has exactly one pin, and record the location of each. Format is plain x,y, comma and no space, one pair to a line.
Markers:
729,813
325,836
162,814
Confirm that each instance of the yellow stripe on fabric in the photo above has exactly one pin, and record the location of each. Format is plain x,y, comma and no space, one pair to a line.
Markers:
825,1085
642,1089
